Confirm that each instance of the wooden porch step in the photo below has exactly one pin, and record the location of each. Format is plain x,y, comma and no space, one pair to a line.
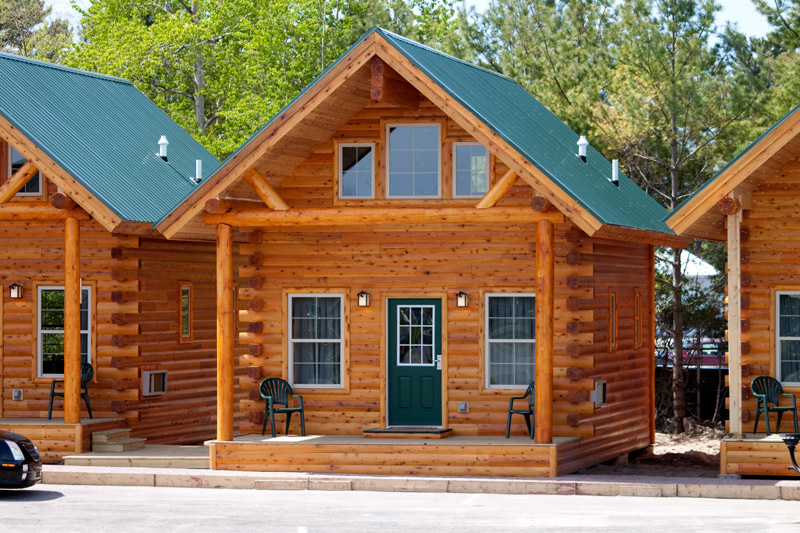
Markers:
407,433
110,435
122,445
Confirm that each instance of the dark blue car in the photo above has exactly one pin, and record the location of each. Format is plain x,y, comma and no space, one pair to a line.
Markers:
20,464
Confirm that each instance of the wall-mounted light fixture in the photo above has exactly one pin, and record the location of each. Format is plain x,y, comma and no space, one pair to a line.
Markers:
462,299
363,299
15,292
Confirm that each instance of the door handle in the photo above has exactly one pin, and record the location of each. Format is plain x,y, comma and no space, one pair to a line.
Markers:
438,360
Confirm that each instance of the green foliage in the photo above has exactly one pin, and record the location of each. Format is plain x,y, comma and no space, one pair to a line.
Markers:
24,30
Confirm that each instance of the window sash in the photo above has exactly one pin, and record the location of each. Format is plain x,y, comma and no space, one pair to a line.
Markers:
409,163
359,172
52,333
787,365
460,169
510,360
310,352
186,297
34,185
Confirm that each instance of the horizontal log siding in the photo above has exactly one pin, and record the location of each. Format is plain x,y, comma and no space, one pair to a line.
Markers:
770,244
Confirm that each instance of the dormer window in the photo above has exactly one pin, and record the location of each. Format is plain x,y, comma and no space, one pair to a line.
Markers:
414,160
470,170
356,170
15,162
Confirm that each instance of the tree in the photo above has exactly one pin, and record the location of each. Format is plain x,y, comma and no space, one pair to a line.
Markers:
24,30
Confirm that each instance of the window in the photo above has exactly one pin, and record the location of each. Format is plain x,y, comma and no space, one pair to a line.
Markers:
15,162
470,170
414,160
186,311
510,340
787,345
637,302
50,325
612,320
316,340
154,382
356,170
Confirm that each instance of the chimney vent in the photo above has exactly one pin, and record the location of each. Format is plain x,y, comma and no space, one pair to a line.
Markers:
582,145
198,170
615,172
162,147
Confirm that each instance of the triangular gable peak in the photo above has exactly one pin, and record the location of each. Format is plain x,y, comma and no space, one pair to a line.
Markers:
379,68
703,214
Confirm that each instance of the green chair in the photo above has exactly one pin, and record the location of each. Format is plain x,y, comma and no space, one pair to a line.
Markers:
87,372
527,413
768,390
277,392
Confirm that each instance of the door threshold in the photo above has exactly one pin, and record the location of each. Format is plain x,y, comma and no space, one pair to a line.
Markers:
408,433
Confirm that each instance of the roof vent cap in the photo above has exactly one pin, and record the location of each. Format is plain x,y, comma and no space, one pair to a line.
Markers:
198,170
615,172
162,147
582,145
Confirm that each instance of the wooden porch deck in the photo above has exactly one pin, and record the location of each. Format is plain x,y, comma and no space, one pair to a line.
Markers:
755,455
353,454
56,439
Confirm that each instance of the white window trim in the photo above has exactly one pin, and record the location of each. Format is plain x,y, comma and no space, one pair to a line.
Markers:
341,171
40,331
38,175
455,195
487,341
438,165
434,355
340,340
778,337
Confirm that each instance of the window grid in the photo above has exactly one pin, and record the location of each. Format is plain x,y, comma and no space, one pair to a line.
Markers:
415,340
470,170
413,153
315,359
787,331
510,358
50,326
356,171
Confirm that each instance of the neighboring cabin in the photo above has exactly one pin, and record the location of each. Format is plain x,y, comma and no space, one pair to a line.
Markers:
752,205
423,242
82,184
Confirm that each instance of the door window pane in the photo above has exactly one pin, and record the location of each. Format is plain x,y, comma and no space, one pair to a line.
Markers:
415,343
414,161
510,339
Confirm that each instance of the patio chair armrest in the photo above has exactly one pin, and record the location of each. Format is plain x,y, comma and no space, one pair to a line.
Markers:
792,396
299,399
53,384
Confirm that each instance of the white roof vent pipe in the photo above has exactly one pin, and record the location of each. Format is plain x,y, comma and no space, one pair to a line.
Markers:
582,145
198,170
162,147
615,172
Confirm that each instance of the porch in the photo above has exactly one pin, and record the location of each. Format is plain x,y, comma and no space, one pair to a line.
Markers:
457,455
57,439
755,454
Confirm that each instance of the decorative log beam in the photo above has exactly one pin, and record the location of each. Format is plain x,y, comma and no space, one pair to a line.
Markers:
388,88
225,332
355,216
540,204
218,205
16,182
61,201
729,205
264,190
27,212
735,322
545,303
72,322
499,190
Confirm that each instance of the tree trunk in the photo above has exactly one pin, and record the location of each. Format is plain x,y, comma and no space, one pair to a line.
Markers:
678,384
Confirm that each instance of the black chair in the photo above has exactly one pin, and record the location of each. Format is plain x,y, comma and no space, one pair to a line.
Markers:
87,372
768,390
527,413
277,392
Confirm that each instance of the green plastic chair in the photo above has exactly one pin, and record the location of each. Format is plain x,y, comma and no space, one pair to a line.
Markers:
768,390
527,413
277,392
87,372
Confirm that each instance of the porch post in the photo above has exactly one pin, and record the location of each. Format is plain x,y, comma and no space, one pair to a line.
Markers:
225,332
72,322
735,322
545,272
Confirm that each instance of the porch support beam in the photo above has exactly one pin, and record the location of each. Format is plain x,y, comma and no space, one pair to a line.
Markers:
25,212
734,219
225,332
499,190
545,274
72,322
16,182
355,216
264,190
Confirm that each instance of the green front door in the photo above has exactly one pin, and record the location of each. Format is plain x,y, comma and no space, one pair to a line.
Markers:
414,351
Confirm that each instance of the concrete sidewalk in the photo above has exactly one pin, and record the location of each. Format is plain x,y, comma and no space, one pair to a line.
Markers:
759,489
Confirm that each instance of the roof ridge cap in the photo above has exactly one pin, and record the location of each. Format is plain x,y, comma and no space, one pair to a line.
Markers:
45,64
439,52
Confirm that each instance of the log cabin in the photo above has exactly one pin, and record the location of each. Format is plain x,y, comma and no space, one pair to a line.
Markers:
84,276
752,206
424,240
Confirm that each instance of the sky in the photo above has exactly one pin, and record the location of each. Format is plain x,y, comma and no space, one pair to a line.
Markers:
740,12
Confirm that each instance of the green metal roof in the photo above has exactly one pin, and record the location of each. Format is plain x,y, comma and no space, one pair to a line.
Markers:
104,132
